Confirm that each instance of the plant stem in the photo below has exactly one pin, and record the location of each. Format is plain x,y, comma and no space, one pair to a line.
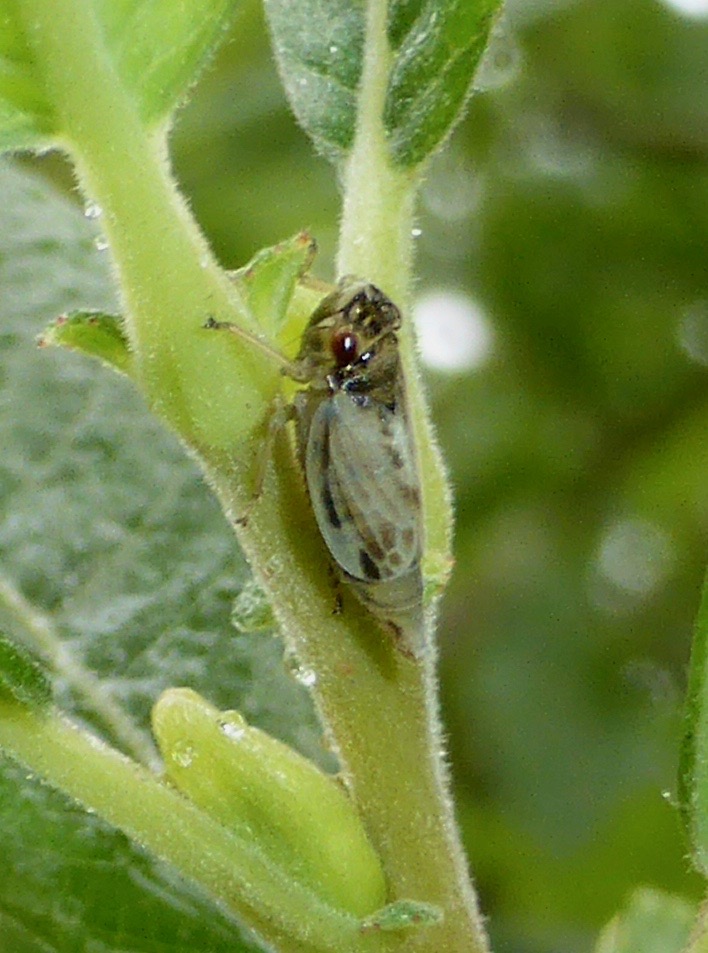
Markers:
172,828
43,637
394,759
379,708
377,213
376,243
169,279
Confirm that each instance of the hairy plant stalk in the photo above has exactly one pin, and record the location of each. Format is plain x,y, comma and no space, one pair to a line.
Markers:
378,707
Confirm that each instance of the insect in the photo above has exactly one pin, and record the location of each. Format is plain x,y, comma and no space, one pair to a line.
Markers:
357,453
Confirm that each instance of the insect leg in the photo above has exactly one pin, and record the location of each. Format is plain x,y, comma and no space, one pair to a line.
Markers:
316,284
336,580
277,417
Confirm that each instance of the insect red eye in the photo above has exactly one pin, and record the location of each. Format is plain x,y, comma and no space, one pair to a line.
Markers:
345,348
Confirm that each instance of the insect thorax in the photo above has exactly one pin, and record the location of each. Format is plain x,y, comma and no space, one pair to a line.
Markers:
350,344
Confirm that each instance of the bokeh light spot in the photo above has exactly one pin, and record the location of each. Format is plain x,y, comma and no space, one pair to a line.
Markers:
502,61
689,8
453,332
693,332
635,556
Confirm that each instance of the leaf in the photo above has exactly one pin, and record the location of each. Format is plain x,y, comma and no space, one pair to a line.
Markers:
26,116
94,333
298,816
125,563
652,921
268,281
160,46
157,48
698,942
436,47
71,883
319,46
21,676
693,769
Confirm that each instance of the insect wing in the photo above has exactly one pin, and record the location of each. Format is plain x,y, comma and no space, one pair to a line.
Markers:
362,479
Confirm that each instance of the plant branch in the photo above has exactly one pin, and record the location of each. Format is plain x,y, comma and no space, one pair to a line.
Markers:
43,638
169,279
231,868
376,243
378,707
377,212
405,802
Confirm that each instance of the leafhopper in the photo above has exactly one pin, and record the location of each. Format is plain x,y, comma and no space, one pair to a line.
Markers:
356,449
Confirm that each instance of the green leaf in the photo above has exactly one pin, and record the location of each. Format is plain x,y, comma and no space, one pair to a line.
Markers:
651,922
156,47
268,281
72,883
26,115
159,46
698,942
299,817
693,769
319,47
436,46
127,569
94,333
21,676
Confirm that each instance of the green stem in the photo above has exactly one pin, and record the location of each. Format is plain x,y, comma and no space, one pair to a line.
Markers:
379,707
172,828
379,711
394,759
43,637
169,279
376,243
693,769
379,199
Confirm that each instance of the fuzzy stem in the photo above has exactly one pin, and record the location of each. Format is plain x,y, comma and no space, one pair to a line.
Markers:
169,279
172,828
377,213
394,759
379,708
376,243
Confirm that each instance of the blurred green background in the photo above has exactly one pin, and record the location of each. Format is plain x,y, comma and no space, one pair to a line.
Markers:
564,320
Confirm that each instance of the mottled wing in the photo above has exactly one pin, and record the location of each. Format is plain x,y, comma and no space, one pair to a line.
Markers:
362,478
